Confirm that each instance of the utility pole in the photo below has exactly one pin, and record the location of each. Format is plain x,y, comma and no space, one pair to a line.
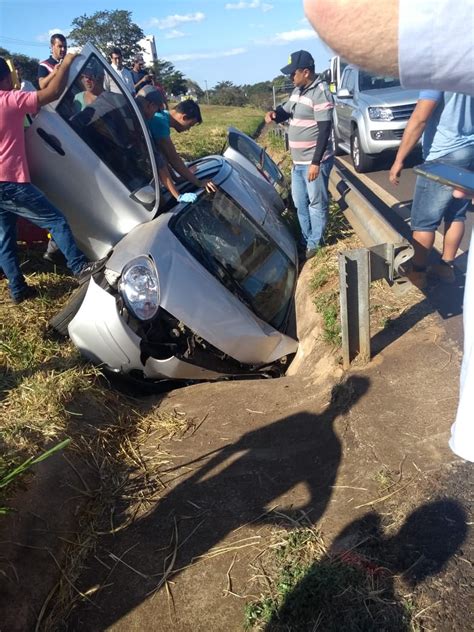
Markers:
207,93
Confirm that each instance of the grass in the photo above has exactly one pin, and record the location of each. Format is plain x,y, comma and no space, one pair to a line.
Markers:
211,136
303,587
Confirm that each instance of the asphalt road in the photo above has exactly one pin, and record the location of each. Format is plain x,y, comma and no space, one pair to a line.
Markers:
395,204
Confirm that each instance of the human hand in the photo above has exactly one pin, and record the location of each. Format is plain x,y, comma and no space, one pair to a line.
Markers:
459,193
270,116
395,172
209,186
313,172
188,197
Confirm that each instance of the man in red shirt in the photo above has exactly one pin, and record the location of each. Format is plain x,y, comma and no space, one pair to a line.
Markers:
18,197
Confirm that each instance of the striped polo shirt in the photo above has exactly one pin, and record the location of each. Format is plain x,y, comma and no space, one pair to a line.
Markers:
307,106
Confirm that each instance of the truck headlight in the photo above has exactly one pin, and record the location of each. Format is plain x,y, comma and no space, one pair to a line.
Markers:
140,288
380,114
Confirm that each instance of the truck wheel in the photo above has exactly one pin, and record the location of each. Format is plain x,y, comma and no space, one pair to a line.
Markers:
61,320
362,161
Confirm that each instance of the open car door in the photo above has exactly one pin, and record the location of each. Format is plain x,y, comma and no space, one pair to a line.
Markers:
91,154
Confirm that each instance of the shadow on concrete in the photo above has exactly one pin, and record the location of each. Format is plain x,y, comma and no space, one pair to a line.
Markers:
236,485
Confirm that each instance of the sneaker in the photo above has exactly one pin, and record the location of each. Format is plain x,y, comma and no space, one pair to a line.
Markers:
444,271
25,294
90,269
310,253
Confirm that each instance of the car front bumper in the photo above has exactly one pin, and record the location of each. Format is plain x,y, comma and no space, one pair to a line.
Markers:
102,336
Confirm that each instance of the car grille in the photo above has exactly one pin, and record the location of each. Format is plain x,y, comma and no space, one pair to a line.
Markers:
402,112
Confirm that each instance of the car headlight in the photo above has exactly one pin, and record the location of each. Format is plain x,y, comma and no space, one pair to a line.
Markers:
140,288
381,114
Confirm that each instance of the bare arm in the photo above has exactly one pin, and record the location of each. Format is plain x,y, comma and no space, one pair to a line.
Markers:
168,149
44,82
364,32
58,82
412,134
167,181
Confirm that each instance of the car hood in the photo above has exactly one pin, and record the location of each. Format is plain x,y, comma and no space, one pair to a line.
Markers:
389,96
194,296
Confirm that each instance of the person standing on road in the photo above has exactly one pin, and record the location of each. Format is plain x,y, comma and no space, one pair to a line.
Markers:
18,197
446,121
140,76
309,111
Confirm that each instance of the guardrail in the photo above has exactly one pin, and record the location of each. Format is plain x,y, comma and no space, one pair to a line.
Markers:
384,254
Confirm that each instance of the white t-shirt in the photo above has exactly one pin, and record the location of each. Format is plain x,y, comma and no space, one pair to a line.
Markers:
436,44
126,77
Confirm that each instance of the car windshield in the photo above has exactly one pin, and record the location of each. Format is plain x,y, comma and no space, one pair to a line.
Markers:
221,236
376,82
96,107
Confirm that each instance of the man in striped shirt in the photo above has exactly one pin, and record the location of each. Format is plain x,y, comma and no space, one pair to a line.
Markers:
309,111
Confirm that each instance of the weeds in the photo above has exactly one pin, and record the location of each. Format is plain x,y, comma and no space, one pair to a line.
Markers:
327,305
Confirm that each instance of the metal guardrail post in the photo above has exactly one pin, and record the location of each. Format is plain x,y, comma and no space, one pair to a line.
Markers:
354,281
384,256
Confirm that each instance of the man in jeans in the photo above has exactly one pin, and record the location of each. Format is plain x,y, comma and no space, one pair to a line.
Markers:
446,120
309,110
17,195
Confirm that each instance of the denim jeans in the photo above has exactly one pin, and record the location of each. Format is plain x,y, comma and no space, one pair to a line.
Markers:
27,201
311,201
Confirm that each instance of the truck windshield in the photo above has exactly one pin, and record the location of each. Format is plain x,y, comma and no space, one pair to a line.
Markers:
376,82
223,238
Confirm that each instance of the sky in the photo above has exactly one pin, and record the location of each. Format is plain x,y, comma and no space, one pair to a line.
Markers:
243,41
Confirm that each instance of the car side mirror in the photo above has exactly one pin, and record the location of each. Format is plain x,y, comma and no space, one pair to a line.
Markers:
145,195
344,93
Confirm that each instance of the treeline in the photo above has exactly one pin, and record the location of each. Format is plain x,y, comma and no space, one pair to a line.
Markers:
104,27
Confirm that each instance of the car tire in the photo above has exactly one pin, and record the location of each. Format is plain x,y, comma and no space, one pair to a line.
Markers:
362,162
61,320
335,141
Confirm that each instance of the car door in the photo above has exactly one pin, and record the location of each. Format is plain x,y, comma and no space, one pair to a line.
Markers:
344,106
91,154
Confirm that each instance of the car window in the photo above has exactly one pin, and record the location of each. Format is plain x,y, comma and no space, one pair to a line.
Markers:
376,82
256,155
348,80
223,238
107,123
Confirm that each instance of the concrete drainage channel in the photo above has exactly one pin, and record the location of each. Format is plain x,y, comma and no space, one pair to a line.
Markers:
384,256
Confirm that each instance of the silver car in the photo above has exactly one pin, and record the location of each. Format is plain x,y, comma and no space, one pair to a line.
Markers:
370,115
187,291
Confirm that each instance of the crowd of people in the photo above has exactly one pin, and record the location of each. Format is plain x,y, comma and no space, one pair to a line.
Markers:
444,118
19,198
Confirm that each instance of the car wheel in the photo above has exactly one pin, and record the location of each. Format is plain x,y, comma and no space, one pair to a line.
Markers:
61,320
335,141
362,162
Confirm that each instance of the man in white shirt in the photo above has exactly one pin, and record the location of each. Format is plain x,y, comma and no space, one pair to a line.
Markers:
116,62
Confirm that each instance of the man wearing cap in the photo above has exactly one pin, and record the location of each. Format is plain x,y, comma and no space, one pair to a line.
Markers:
309,112
150,101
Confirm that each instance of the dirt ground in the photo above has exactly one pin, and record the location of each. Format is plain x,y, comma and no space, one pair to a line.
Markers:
259,455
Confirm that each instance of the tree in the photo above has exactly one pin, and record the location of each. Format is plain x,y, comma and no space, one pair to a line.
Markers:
29,65
106,29
173,81
226,93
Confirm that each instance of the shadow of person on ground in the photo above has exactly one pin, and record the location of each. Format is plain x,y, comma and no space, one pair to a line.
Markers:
238,484
352,588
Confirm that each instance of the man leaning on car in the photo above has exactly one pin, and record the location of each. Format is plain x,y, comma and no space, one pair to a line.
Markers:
17,195
309,111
